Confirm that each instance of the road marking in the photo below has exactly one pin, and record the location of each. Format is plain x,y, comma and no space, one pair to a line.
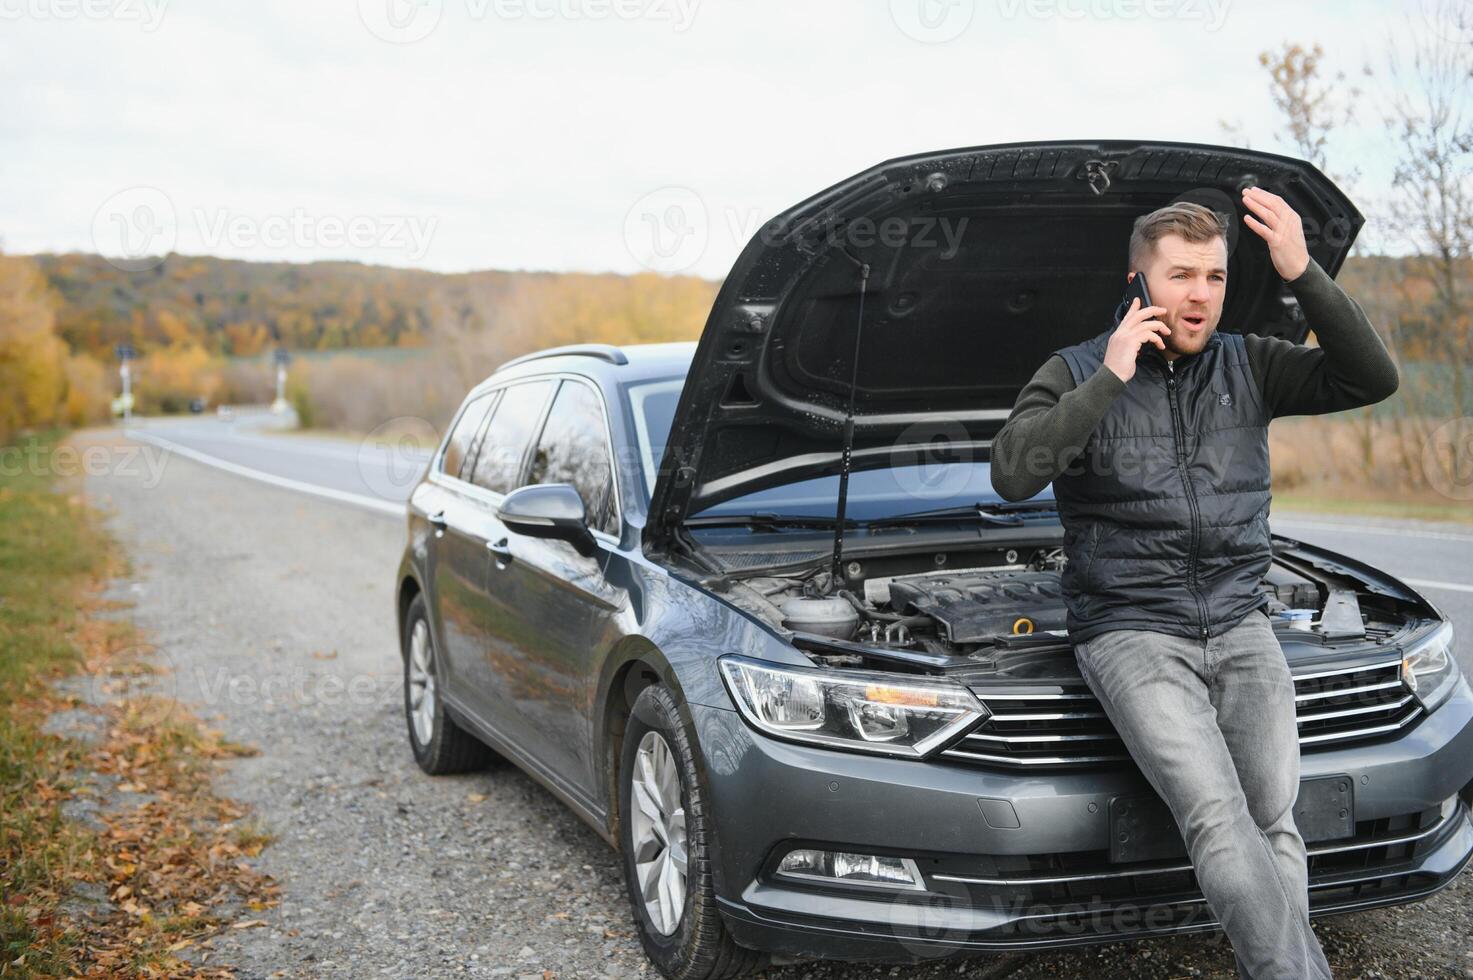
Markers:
342,496
1422,583
1371,529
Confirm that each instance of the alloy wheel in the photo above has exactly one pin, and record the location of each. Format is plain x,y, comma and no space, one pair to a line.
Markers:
422,683
658,826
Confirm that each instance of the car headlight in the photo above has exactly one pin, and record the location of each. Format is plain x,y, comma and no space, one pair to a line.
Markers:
892,714
1429,668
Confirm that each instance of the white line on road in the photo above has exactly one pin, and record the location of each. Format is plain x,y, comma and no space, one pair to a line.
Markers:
1372,529
342,496
1422,583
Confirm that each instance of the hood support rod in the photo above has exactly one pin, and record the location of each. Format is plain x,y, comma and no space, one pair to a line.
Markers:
836,570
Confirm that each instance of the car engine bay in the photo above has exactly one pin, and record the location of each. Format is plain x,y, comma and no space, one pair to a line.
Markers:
1008,617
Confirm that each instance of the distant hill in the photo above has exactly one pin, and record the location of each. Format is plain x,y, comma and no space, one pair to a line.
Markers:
241,309
235,308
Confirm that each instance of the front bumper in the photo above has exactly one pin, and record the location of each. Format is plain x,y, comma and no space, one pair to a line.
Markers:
1020,860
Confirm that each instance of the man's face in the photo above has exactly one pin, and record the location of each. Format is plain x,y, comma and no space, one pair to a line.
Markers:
1188,279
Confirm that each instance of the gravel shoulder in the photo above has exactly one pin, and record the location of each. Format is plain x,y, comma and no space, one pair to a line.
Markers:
274,612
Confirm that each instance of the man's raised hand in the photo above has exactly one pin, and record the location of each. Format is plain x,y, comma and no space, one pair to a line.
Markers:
1278,225
1137,327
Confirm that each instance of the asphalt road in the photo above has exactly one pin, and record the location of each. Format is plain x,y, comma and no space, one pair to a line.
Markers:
378,472
263,569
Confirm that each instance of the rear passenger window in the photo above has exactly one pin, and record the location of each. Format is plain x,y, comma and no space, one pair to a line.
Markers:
574,448
459,445
498,464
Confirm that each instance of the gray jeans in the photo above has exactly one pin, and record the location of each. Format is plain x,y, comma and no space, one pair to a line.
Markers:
1211,725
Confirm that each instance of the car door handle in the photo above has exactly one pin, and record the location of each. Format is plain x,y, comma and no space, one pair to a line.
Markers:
502,550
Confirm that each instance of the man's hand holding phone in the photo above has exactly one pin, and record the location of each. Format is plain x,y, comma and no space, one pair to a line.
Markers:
1138,326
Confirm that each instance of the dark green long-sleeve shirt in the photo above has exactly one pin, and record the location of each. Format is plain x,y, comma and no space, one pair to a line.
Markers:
1350,368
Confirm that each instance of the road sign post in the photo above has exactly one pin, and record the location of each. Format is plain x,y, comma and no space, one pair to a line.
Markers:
125,354
281,359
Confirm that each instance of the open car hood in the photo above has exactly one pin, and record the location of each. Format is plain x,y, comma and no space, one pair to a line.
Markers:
981,262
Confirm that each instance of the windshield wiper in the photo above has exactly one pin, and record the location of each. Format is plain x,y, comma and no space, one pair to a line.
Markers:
766,520
1003,514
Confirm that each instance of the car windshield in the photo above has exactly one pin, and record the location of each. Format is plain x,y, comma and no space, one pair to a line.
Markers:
873,494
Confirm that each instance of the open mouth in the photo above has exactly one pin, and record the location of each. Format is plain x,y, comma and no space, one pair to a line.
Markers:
1194,321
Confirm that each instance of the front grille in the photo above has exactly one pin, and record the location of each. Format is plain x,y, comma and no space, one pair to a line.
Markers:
1051,893
1068,727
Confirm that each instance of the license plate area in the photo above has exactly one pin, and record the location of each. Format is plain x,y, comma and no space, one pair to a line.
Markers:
1143,829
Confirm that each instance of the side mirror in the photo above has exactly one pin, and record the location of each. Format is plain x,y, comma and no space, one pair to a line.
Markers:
549,510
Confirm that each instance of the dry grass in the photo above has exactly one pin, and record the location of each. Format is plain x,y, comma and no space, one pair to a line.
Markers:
169,871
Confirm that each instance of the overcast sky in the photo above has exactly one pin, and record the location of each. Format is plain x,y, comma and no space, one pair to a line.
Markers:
583,134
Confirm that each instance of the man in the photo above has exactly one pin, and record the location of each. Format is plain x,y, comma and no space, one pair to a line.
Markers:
1155,436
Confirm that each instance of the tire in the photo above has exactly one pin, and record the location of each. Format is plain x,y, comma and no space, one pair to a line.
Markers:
440,746
695,945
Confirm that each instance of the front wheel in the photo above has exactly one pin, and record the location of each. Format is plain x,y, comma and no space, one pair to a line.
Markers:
664,835
440,745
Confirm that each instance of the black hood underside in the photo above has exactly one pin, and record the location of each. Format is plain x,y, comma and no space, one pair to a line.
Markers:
980,262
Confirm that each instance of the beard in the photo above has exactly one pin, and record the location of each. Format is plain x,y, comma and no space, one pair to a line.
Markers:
1181,342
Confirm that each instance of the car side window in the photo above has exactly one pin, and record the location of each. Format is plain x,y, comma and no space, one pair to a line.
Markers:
499,461
458,447
574,448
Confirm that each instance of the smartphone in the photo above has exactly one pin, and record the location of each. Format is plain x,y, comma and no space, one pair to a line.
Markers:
1135,289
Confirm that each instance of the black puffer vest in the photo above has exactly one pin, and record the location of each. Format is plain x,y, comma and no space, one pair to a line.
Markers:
1165,513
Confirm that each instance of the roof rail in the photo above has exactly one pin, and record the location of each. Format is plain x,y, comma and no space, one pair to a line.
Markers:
604,352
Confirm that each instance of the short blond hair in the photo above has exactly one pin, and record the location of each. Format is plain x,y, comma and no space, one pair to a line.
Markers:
1193,222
